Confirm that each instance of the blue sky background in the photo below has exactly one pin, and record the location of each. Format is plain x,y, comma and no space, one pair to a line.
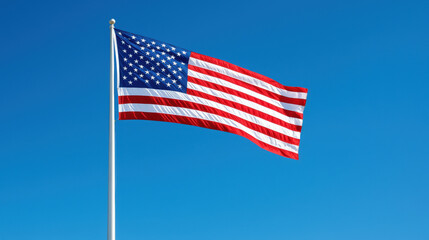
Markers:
363,172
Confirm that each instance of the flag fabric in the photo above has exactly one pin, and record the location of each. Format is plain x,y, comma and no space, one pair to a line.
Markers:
161,82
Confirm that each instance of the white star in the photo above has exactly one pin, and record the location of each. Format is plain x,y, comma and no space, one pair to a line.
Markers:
163,53
168,50
148,53
147,72
180,69
163,45
120,33
143,40
178,54
157,74
133,37
125,68
174,71
130,73
135,51
135,79
172,56
138,42
157,82
168,84
168,75
129,46
147,62
168,58
130,82
183,52
153,43
140,66
130,55
174,81
174,63
135,70
124,77
152,77
157,47
152,58
163,79
169,66
125,59
180,86
142,48
122,42
148,45
141,75
147,81
157,63
152,68
157,55
130,64
180,77
141,57
163,61
163,69
182,63
136,61
124,51
173,48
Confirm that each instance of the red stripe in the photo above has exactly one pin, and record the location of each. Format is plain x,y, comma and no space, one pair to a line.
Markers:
247,72
245,96
244,108
208,109
205,124
274,96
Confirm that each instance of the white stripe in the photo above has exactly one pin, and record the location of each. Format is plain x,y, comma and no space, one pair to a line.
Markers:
246,78
194,99
250,104
287,106
209,117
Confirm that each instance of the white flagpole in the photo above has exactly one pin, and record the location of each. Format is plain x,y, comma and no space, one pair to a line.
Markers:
111,224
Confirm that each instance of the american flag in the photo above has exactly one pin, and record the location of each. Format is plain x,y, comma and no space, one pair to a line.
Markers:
159,81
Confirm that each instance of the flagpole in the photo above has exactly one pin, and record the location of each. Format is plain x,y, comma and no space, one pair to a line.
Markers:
111,213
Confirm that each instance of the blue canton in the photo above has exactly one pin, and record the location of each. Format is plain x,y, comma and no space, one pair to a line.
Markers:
148,63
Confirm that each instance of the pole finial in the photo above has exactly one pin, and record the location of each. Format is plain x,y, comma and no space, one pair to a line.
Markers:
112,21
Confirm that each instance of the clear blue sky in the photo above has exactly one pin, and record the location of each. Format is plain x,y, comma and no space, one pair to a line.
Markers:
364,165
